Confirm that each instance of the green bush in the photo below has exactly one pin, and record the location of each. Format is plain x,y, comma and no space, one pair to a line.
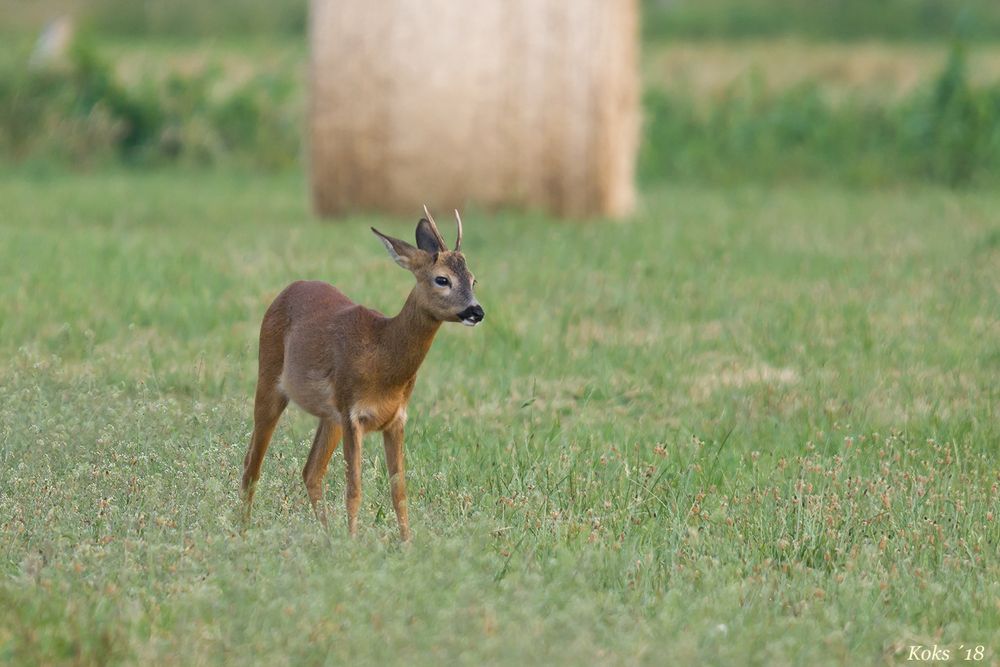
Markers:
949,133
955,130
81,113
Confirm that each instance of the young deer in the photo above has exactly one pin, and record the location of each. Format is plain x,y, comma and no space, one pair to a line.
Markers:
353,367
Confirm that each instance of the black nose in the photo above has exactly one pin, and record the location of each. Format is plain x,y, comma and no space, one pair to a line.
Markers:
473,313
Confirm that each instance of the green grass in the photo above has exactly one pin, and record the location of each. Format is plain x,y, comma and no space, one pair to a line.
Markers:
746,426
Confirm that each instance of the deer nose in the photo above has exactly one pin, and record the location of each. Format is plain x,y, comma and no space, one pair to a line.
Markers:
472,315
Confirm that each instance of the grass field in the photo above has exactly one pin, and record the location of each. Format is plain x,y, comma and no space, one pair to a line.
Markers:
748,425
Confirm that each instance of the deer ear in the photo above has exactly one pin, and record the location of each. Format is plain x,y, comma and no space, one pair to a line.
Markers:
428,237
402,252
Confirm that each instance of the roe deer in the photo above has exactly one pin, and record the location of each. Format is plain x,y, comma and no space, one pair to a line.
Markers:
353,367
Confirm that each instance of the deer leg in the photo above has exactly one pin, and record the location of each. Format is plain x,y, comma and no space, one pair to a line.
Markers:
328,435
352,457
268,406
392,438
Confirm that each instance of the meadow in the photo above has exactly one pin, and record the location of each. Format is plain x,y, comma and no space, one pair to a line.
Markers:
753,425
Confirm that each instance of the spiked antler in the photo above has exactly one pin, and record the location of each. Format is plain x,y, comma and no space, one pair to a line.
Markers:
458,241
434,227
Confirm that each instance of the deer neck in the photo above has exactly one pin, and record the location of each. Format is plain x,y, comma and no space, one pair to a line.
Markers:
406,340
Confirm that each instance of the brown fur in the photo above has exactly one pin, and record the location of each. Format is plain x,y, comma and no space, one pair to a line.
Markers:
352,367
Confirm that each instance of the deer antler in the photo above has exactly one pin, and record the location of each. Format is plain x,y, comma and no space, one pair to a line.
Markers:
430,219
458,241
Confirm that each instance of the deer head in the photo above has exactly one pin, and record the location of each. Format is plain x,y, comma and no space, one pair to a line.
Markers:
444,289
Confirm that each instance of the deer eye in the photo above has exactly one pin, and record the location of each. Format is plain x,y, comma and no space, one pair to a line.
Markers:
442,281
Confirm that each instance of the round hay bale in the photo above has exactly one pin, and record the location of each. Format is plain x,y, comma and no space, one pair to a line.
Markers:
530,103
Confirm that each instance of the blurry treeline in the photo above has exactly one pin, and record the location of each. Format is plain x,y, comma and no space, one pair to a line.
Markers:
824,19
165,18
828,19
84,113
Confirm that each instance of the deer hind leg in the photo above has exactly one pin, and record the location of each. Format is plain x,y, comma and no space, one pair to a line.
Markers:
328,435
269,401
268,406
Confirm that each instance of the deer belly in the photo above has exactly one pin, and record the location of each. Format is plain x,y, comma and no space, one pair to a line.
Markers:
312,392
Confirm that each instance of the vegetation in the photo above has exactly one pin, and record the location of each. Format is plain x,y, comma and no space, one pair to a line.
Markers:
947,133
750,425
662,19
824,19
87,113
83,113
179,19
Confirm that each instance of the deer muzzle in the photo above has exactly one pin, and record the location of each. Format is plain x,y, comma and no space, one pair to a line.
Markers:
472,315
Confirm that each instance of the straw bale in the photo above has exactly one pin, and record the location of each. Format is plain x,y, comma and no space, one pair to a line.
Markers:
528,103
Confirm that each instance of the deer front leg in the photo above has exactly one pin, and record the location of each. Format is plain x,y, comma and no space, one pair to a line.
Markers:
352,458
392,438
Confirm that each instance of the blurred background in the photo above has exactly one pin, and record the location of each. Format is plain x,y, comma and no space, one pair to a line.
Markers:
867,92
